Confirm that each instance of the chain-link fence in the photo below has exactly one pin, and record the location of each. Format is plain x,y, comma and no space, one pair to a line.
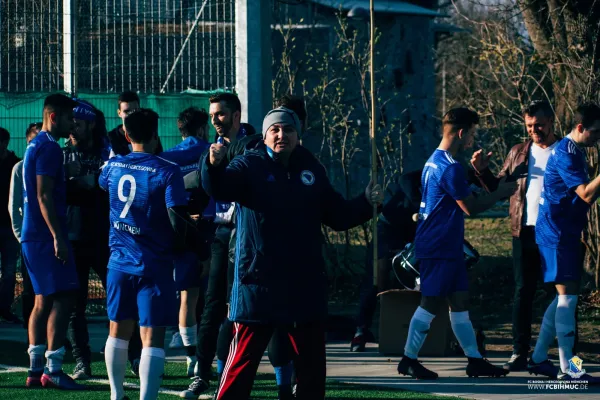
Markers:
146,45
158,48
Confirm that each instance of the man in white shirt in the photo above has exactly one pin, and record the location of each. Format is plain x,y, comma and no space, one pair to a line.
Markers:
15,210
525,163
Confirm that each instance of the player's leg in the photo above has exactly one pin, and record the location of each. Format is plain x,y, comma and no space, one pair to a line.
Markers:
368,291
308,347
458,300
526,271
157,305
121,304
55,284
38,321
188,279
188,327
280,356
78,329
433,294
246,349
223,343
215,310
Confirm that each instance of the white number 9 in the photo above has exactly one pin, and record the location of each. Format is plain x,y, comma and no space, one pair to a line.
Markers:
127,199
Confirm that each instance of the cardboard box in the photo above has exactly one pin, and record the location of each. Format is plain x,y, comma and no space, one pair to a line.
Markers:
396,310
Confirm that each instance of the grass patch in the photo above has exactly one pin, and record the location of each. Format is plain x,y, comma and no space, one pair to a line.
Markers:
12,385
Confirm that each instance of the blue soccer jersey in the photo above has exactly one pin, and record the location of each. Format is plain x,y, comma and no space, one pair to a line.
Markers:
42,157
441,227
562,214
141,187
186,154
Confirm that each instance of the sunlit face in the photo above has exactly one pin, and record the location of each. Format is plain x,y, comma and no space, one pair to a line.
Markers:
126,108
539,127
589,135
222,118
281,139
467,137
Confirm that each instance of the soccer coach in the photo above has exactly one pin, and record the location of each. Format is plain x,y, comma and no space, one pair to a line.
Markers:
282,196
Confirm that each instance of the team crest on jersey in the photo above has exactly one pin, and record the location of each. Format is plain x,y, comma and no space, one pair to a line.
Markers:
307,177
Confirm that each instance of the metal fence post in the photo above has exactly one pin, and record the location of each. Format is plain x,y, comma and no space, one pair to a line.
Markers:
70,46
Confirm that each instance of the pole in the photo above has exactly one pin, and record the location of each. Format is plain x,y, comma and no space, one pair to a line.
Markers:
70,46
373,141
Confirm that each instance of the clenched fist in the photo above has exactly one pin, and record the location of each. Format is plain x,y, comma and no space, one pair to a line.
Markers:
374,194
217,154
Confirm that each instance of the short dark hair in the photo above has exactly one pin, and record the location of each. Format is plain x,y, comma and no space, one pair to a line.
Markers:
190,120
141,125
33,127
128,96
537,106
460,118
58,103
231,100
4,135
586,114
294,103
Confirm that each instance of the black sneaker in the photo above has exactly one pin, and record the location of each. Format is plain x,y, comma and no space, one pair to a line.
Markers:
82,371
516,363
196,388
481,367
412,367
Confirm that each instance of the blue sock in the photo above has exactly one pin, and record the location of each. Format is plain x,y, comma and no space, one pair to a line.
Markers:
283,375
220,366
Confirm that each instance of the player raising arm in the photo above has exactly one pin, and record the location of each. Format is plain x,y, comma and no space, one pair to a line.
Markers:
446,198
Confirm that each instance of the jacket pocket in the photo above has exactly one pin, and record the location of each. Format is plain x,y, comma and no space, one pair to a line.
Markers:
250,274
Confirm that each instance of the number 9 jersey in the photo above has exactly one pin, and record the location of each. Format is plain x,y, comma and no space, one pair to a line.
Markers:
141,188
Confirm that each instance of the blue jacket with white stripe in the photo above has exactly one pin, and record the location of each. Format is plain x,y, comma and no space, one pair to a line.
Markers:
279,267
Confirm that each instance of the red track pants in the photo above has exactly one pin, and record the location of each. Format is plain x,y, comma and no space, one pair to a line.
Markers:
248,346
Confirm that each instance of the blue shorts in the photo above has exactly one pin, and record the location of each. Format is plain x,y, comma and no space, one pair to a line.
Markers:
441,277
188,271
48,274
151,300
563,264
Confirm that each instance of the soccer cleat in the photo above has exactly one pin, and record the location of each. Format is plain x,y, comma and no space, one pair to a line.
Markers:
591,380
359,341
480,367
412,367
358,344
34,379
516,363
60,380
545,368
82,371
196,388
176,341
135,367
191,366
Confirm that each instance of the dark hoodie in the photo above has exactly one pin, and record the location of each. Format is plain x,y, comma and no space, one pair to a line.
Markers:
6,167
